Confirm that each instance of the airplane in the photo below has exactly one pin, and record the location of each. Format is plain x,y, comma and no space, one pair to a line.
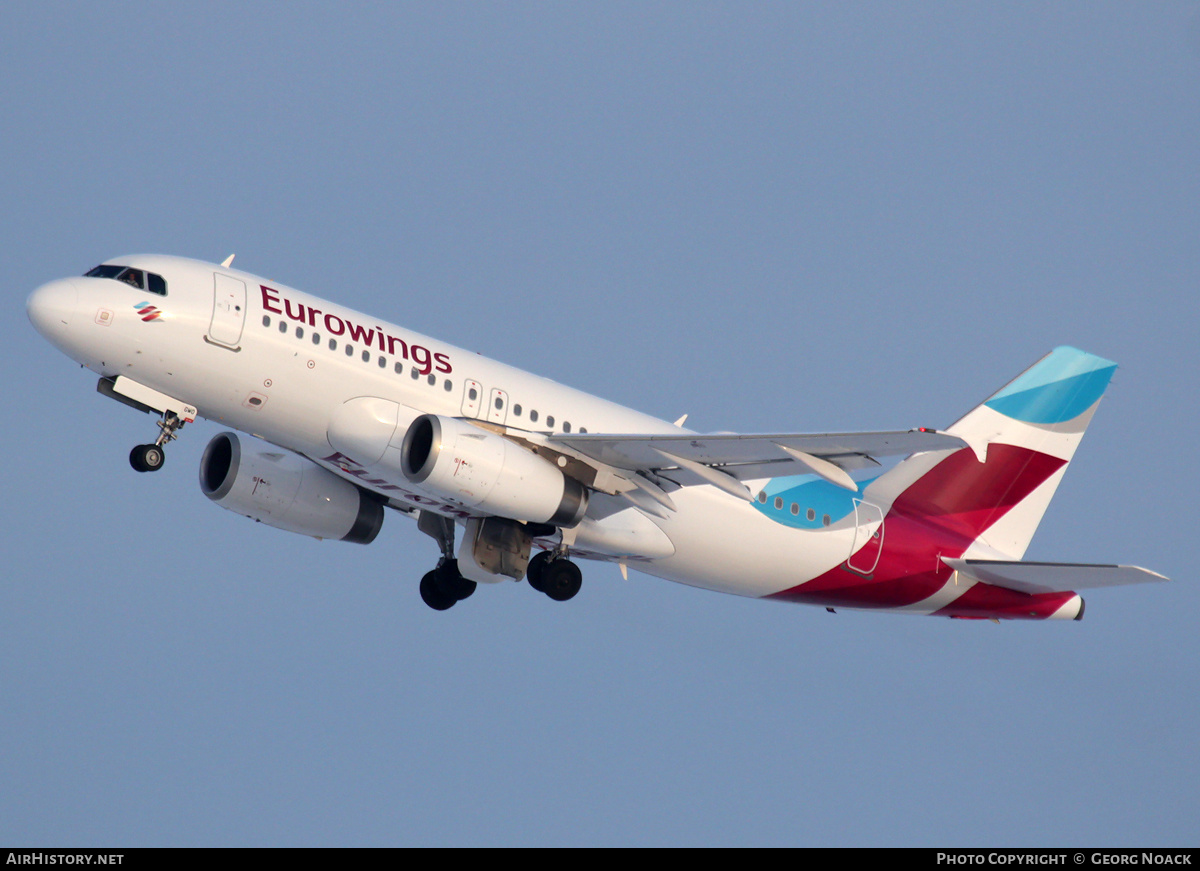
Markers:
336,418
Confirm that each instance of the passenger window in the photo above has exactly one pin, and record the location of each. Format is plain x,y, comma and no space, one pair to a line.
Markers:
432,379
472,394
399,368
811,514
266,320
449,385
778,503
316,338
583,429
416,373
283,326
366,355
499,403
299,332
517,409
349,350
762,497
550,421
533,416
382,362
566,427
333,344
795,509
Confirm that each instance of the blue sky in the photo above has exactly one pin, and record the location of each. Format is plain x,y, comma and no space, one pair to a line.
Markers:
772,217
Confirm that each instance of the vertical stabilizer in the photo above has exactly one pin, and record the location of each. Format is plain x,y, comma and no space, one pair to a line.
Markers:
1022,438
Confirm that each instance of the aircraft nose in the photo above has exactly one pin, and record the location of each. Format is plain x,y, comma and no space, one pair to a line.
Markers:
50,307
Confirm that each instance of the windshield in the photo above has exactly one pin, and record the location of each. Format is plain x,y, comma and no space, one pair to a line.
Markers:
136,278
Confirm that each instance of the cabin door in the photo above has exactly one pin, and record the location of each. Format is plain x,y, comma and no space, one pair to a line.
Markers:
229,311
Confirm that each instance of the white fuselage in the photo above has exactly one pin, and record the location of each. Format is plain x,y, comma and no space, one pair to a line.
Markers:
334,384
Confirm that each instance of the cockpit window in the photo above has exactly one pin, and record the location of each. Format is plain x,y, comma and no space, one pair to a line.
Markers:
136,278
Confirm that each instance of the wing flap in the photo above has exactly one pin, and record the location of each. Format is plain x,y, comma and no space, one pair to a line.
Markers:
1037,577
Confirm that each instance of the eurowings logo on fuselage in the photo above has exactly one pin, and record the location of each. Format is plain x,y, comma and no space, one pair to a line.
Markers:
148,311
336,325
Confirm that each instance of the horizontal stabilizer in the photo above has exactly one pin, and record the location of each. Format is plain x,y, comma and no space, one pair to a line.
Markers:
1035,578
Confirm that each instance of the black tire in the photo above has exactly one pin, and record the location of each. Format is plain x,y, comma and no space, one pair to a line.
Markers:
433,595
561,580
537,567
452,583
147,458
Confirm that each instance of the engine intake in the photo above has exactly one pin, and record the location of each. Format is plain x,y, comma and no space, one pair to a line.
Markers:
287,491
483,470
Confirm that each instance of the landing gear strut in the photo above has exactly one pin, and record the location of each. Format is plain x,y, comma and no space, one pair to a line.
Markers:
150,458
554,575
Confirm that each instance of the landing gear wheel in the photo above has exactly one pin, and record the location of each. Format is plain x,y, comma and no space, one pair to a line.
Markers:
537,567
452,583
444,586
432,593
561,580
147,458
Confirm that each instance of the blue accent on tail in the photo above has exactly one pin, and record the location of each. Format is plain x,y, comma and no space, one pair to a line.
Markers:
1059,387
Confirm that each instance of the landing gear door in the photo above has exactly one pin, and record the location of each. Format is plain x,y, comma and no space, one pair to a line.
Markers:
868,538
472,399
229,311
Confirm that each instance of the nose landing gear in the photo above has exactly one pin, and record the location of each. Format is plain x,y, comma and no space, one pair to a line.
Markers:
175,413
150,458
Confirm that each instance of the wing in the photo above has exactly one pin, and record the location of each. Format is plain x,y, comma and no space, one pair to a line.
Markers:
1034,578
726,459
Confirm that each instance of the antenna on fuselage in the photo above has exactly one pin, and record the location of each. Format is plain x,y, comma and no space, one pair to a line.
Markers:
228,260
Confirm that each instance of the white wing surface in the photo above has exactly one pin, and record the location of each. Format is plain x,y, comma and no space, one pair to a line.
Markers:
743,457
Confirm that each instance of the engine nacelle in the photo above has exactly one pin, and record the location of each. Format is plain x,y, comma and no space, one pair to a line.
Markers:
486,471
286,491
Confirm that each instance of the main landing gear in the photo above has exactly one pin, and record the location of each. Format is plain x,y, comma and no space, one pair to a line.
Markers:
150,458
444,586
554,575
549,572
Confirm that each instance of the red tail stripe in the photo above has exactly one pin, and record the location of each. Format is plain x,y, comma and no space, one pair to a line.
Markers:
940,515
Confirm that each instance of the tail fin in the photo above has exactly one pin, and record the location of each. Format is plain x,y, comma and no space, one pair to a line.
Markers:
1021,439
